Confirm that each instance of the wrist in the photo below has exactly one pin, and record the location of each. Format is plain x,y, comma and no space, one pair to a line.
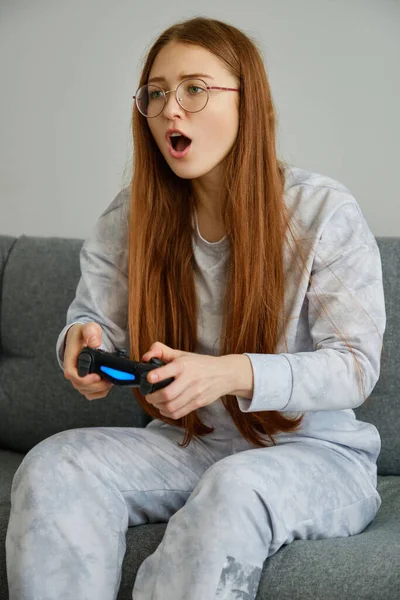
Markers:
239,375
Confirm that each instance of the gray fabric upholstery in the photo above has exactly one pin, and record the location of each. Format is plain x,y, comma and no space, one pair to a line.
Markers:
39,282
38,278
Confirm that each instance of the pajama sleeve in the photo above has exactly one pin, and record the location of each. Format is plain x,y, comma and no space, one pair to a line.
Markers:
102,291
327,378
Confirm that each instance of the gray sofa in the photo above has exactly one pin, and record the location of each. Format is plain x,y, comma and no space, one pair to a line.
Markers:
38,278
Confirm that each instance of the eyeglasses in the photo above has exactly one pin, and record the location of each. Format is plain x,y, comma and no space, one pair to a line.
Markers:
191,94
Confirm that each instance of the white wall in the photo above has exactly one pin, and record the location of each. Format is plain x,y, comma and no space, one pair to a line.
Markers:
68,71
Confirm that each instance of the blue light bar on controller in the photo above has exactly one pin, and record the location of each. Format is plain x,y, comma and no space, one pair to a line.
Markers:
121,375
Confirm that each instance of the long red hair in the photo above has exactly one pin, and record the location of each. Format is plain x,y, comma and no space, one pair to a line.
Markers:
162,304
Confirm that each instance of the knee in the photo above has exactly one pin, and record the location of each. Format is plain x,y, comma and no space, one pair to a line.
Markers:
227,484
47,461
226,501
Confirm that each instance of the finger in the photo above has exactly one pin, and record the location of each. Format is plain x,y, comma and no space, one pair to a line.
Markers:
172,391
175,413
81,384
87,379
179,405
95,396
151,354
176,409
161,373
155,398
159,397
100,393
94,388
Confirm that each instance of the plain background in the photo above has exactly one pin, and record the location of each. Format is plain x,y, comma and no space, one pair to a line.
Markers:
68,71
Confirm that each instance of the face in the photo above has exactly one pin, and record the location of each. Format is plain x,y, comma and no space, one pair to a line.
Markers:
213,130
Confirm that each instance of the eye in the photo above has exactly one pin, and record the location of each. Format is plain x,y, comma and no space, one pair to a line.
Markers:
152,95
195,87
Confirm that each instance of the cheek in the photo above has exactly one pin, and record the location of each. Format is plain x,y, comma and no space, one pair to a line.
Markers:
156,132
153,131
219,133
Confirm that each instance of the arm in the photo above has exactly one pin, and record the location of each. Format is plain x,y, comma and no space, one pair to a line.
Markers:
326,378
102,291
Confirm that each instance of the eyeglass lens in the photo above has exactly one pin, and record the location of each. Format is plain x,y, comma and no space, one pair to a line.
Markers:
192,95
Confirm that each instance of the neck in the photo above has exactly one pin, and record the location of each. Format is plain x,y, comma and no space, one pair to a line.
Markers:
207,192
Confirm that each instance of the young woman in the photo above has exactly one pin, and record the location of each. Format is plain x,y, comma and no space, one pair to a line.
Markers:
260,285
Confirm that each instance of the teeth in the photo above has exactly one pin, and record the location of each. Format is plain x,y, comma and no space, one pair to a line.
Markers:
175,134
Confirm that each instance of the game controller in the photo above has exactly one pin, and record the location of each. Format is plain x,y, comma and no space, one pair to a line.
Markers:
119,369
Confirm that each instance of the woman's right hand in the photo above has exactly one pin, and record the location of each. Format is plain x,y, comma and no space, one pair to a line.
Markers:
80,335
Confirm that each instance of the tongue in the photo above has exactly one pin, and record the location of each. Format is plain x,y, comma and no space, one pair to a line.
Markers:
183,142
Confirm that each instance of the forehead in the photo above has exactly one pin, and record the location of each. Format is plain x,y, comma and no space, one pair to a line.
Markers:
176,58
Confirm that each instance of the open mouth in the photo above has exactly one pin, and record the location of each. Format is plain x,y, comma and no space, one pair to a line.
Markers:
180,143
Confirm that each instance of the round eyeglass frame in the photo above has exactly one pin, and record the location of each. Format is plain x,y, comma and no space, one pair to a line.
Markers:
165,92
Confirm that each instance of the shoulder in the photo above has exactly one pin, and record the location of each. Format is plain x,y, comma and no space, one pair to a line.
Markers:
322,208
296,177
110,231
120,203
311,195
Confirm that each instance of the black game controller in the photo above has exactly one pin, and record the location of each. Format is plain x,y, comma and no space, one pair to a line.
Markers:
119,369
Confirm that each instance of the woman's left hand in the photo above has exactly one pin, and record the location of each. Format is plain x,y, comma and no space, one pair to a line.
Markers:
199,380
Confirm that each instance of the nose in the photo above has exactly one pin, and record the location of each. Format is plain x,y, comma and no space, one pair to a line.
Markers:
172,106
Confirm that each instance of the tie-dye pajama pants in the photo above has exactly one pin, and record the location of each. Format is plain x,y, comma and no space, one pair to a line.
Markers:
228,507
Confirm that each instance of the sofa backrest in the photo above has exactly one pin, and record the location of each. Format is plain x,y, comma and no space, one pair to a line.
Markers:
38,279
382,408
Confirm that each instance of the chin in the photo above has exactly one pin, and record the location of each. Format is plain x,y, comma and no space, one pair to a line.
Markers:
190,171
187,171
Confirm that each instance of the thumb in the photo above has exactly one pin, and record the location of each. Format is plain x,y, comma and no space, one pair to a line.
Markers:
163,352
91,333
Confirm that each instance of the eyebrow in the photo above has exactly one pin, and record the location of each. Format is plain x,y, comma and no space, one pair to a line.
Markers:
182,76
